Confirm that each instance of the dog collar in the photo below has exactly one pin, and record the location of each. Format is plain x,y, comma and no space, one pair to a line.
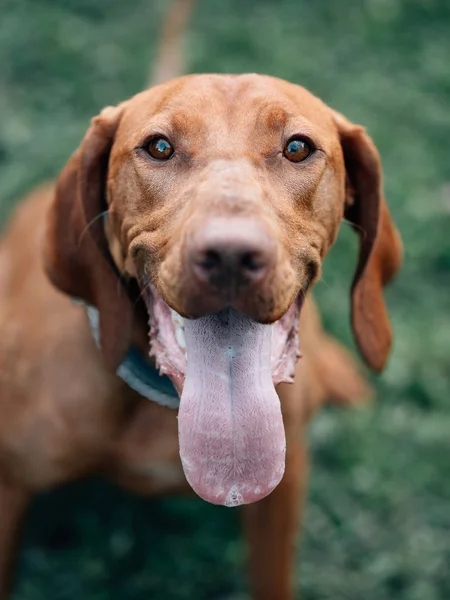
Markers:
136,371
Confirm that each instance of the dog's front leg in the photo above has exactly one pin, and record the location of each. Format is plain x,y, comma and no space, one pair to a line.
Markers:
271,527
13,502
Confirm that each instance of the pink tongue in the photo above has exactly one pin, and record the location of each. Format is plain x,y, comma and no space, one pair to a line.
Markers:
231,432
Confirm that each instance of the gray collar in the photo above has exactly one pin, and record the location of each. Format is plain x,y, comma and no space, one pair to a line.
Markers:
136,371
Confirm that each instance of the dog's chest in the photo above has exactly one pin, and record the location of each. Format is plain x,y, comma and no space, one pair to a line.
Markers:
147,457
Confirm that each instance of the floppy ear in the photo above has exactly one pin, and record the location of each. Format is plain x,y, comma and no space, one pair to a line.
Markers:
77,258
380,250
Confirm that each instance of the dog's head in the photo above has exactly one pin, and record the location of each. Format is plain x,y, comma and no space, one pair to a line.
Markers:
222,196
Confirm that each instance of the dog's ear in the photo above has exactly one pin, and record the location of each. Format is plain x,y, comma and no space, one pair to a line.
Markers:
77,258
380,250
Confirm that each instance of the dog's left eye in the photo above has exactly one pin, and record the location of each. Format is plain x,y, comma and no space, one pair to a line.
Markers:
160,148
298,149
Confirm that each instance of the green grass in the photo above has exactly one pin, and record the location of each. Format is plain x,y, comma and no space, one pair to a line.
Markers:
378,518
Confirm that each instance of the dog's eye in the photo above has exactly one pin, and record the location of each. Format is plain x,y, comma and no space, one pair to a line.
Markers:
298,149
160,148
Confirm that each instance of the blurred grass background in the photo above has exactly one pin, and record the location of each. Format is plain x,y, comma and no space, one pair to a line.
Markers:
378,519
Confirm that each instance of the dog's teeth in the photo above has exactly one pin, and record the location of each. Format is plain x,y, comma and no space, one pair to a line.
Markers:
177,319
178,323
179,334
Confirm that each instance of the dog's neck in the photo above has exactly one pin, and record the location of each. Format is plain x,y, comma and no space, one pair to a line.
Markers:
138,372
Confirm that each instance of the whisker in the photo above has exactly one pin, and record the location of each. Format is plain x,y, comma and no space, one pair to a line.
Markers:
355,226
143,290
305,287
94,220
322,280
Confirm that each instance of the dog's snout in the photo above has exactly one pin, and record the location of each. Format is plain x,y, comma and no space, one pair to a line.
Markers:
230,253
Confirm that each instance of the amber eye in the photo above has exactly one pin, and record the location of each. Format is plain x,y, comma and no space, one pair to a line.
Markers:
159,148
298,149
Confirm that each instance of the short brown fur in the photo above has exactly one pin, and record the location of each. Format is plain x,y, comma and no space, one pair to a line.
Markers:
64,414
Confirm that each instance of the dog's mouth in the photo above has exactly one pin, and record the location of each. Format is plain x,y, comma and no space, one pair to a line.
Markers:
225,368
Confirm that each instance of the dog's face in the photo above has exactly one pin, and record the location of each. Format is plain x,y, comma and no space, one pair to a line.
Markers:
224,194
226,191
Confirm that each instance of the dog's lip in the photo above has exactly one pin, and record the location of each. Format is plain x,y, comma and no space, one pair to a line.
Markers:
263,321
298,298
272,319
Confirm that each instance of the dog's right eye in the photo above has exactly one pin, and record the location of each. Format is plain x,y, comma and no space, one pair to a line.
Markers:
159,148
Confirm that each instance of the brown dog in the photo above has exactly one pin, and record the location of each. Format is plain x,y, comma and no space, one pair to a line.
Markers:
239,230
216,197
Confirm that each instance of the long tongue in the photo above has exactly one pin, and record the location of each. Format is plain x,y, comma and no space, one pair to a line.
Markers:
231,432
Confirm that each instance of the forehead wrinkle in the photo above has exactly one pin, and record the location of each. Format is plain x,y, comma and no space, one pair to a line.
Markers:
274,117
182,124
204,103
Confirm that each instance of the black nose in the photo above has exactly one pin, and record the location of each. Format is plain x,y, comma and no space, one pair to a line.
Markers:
230,254
231,262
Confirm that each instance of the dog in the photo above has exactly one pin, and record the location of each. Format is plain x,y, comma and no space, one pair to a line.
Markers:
192,221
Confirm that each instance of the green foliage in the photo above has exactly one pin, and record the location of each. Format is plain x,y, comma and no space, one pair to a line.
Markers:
378,519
